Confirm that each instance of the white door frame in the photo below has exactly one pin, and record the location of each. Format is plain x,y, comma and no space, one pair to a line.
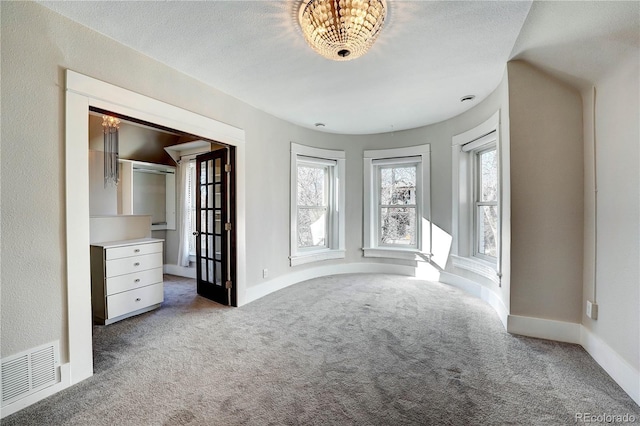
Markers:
83,92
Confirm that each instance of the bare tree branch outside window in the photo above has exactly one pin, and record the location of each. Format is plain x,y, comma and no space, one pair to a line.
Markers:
487,203
312,205
397,205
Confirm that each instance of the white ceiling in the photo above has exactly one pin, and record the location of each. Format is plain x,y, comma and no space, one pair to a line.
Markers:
428,55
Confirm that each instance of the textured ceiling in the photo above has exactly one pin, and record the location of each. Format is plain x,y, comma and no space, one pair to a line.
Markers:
579,41
429,55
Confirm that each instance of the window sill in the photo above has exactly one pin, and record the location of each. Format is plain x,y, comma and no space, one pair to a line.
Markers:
477,266
316,256
394,253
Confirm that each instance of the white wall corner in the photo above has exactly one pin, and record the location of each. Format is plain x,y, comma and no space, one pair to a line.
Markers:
180,271
560,331
624,374
481,292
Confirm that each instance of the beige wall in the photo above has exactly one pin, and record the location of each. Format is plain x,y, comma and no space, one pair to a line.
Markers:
546,195
618,232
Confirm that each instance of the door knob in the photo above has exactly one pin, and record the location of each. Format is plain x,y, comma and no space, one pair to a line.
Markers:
196,233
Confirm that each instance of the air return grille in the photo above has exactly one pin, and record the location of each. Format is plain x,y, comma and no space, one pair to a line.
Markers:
29,371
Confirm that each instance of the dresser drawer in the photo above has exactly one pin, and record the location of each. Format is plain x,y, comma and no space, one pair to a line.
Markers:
132,300
132,250
126,282
129,265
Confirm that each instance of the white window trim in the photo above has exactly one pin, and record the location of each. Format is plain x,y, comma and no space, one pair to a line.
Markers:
371,158
464,146
336,243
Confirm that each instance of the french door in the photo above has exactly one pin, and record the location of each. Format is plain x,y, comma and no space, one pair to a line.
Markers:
215,218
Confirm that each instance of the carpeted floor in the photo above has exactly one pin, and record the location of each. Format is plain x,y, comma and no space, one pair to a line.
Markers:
351,349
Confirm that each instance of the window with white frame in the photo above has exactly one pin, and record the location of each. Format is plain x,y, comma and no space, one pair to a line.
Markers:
476,221
397,207
485,176
397,202
314,192
317,204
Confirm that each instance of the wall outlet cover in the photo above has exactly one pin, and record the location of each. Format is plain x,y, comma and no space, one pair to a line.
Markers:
592,310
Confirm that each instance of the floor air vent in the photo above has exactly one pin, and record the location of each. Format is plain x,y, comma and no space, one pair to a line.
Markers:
30,371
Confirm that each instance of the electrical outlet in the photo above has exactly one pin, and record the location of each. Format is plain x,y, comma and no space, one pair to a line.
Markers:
592,310
265,273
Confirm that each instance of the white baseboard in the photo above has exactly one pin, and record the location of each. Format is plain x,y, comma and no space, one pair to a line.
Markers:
18,405
479,291
257,291
181,271
560,331
619,369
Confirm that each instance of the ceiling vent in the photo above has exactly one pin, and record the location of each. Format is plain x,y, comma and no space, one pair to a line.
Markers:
30,371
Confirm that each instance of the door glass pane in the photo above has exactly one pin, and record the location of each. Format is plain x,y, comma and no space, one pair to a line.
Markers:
218,247
203,172
203,269
488,228
218,170
218,274
211,271
211,196
210,171
312,227
204,225
217,200
218,222
488,176
398,225
203,196
398,185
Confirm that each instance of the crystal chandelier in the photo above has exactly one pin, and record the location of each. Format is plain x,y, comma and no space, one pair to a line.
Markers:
110,129
342,29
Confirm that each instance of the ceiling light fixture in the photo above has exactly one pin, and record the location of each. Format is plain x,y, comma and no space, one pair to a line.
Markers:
342,30
110,130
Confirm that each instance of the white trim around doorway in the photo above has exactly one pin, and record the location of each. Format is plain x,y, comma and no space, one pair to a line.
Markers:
83,92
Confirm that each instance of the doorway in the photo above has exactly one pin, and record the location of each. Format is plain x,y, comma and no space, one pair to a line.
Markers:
83,92
203,228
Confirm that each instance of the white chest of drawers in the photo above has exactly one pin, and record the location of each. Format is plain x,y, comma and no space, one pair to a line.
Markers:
126,278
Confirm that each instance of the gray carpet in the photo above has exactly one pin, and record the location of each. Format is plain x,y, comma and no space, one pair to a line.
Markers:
351,349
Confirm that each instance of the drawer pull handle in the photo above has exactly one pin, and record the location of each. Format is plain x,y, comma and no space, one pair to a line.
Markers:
136,251
138,299
137,280
136,264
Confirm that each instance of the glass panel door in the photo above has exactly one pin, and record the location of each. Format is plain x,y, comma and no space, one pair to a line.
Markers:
212,239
